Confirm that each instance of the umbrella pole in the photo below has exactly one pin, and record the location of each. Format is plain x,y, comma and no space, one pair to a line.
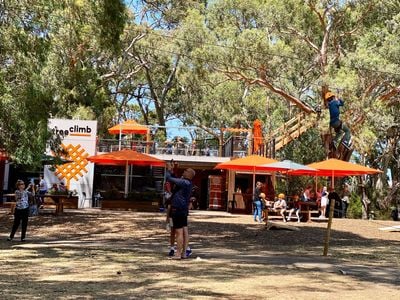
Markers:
126,179
119,140
331,209
254,180
287,185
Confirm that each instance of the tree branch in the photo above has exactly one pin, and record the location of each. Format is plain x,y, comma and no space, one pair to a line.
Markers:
237,75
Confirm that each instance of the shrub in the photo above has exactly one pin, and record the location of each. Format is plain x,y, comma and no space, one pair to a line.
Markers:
355,207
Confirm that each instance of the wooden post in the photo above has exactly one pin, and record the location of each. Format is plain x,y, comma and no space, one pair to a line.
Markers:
328,230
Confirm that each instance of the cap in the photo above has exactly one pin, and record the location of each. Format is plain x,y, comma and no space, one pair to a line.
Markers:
281,196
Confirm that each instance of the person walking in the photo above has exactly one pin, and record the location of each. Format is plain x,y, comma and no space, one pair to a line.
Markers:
42,190
335,122
21,212
180,208
257,203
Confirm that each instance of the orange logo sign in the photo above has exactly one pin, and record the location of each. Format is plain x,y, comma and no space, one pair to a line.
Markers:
76,168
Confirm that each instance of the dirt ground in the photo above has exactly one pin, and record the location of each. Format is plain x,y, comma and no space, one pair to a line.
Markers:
94,254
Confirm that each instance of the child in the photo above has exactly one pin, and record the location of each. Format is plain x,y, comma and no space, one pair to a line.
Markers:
264,204
280,206
335,122
295,208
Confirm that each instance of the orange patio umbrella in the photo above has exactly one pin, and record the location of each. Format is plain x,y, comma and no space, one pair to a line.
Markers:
337,168
125,158
249,163
129,127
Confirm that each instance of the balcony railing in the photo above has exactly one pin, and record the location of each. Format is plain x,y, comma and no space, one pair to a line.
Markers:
236,147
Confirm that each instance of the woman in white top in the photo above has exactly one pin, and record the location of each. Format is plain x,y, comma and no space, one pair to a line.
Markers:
324,201
21,213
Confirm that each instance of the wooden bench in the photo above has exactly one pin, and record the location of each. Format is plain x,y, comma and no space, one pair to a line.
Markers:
306,214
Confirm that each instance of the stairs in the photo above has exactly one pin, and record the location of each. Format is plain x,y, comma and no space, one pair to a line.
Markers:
290,131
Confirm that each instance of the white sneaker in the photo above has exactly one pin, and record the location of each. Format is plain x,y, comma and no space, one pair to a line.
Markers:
288,218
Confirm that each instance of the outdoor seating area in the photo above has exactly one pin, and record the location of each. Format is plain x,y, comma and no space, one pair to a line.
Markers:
308,212
154,147
52,203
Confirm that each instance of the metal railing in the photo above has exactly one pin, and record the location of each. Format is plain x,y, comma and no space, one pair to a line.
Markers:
178,148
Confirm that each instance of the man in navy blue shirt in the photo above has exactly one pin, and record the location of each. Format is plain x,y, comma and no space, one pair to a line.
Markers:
335,122
180,208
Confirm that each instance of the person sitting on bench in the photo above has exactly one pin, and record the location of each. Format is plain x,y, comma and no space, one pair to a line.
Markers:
280,206
295,209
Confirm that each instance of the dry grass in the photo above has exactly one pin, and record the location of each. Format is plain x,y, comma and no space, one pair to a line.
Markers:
93,254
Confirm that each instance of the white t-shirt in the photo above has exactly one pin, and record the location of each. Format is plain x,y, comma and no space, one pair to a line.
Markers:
281,203
324,199
42,185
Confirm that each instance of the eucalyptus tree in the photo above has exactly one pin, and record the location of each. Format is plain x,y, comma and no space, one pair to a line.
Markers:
52,56
143,77
375,80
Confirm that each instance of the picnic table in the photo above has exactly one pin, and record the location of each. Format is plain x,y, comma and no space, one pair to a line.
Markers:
61,202
308,207
10,202
49,199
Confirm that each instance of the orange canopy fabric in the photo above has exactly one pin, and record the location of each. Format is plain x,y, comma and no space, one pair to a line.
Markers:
124,157
248,163
3,156
128,127
257,135
338,168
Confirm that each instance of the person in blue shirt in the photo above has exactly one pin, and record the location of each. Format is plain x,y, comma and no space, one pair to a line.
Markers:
335,122
180,208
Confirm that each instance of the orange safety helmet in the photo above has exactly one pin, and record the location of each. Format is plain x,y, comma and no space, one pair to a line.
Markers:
329,95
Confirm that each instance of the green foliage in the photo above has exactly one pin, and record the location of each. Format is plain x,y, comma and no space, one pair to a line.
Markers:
354,209
51,66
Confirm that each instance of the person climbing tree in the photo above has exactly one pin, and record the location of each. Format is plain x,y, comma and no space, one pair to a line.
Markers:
335,122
